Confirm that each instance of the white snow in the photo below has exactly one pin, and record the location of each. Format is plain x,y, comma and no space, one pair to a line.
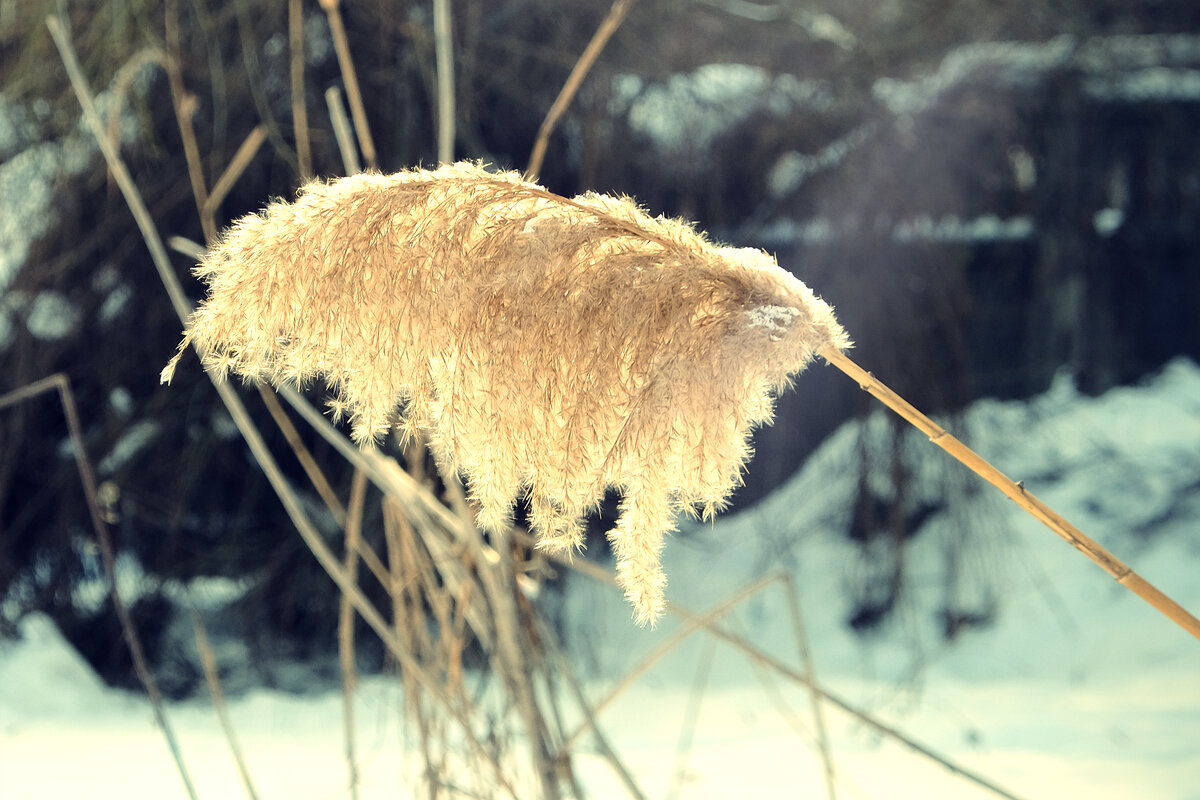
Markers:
1078,689
774,318
951,228
135,439
687,112
51,316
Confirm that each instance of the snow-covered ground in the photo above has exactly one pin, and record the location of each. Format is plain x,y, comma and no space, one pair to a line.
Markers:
1078,689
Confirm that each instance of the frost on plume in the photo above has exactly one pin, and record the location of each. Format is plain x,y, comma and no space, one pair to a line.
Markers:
546,347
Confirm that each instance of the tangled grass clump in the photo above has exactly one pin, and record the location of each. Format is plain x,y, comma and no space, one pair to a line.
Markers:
544,345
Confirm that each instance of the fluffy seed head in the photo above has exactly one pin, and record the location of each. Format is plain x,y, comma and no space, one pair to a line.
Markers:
545,346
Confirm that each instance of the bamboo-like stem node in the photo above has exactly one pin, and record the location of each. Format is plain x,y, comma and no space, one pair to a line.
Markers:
1015,491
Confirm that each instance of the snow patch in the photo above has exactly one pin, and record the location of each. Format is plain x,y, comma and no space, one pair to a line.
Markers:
133,441
688,112
51,317
950,228
1152,84
775,319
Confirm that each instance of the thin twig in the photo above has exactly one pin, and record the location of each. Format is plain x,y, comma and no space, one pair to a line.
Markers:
209,663
1016,492
87,477
341,44
616,15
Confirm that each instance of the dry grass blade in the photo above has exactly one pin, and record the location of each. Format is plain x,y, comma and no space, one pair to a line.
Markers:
342,130
545,346
564,669
237,165
690,626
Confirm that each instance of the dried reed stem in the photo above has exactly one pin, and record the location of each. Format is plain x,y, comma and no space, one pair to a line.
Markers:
690,626
358,493
60,383
444,50
1017,493
241,418
806,664
563,667
225,182
299,104
759,656
184,104
342,130
307,462
691,715
213,678
616,15
341,44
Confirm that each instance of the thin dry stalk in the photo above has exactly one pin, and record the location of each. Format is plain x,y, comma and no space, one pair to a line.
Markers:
444,49
564,668
66,398
303,455
225,182
241,418
690,626
341,44
757,655
211,676
1017,493
371,559
409,620
691,716
616,15
508,658
806,664
120,87
358,493
342,130
299,105
184,104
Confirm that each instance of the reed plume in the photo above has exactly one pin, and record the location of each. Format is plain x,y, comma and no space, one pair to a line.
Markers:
545,346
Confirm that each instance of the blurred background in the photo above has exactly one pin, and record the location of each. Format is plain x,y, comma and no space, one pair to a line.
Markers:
990,193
